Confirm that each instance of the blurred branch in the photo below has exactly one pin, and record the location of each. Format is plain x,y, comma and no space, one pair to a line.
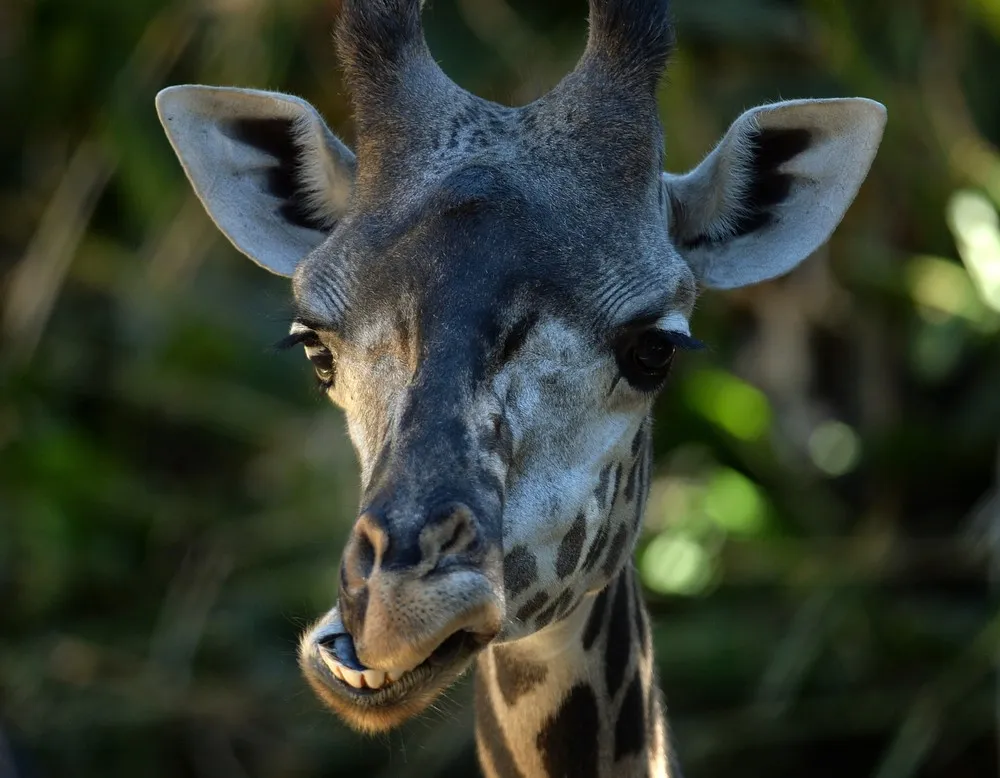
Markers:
920,729
795,654
184,613
970,154
36,281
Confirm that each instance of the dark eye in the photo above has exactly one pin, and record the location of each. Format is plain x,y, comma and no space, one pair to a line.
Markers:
653,353
323,363
316,352
645,358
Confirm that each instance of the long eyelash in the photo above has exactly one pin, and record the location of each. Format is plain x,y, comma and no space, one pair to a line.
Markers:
685,342
303,337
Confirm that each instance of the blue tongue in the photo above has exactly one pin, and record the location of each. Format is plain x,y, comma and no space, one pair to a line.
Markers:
339,642
343,649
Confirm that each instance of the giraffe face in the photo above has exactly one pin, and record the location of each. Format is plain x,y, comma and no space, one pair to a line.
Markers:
500,417
493,296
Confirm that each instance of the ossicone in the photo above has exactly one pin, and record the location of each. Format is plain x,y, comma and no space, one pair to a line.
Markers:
630,40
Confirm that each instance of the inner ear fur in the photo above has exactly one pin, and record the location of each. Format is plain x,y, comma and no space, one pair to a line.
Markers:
265,166
774,188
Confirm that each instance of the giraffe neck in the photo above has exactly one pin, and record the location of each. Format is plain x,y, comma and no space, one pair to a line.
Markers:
577,699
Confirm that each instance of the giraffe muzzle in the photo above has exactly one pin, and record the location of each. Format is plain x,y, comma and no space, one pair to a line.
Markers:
409,621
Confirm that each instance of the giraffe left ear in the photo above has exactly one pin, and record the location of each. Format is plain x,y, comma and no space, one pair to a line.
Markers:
265,166
774,188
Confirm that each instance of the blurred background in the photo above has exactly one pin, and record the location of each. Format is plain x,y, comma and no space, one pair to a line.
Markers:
823,537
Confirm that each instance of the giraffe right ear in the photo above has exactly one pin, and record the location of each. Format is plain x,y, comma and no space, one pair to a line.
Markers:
269,172
774,188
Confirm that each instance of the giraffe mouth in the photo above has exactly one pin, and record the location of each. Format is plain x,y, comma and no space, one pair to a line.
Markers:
342,661
374,700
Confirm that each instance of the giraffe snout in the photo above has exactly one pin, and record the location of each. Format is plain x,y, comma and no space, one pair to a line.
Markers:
406,589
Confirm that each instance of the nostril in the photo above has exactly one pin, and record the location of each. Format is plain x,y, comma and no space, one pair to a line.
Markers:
364,556
368,542
452,544
450,530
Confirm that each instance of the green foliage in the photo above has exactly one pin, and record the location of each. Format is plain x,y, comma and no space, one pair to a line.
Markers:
173,497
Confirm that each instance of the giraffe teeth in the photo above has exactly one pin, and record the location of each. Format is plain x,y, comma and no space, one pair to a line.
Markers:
353,678
364,679
332,665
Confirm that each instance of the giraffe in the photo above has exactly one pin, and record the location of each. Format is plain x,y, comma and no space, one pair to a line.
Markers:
494,296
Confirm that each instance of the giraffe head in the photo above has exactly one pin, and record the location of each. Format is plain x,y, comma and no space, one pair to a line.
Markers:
494,296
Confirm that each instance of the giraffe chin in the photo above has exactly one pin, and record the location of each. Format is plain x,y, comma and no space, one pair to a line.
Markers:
372,711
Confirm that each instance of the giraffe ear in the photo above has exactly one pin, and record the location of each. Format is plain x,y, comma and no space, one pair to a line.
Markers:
267,169
774,188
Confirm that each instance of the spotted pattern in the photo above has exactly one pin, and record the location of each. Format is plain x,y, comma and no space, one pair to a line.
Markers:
560,605
516,676
595,622
568,741
601,491
520,571
531,607
490,737
618,647
607,721
596,548
615,552
612,711
571,547
630,729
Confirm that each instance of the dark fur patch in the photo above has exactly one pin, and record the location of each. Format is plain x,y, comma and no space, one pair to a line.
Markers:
519,571
601,492
568,740
516,677
561,603
571,547
640,435
619,469
276,138
596,547
619,642
490,736
595,621
531,607
630,484
640,618
614,557
630,729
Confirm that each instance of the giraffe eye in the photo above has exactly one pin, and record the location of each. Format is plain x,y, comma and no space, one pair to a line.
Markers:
323,363
316,352
650,355
645,357
653,353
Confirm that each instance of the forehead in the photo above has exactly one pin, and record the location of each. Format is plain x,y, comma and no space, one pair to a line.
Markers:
481,246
